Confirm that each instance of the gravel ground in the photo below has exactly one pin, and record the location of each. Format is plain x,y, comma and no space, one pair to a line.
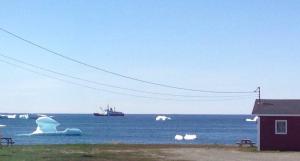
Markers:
226,154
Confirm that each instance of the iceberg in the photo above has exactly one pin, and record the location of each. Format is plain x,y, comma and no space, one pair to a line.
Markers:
178,137
162,118
8,116
11,116
185,137
23,116
252,120
31,116
47,126
190,137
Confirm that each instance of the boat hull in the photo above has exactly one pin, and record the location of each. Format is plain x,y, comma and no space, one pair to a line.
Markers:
111,114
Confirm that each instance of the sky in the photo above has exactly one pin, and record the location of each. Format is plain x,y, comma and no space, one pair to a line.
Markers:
211,45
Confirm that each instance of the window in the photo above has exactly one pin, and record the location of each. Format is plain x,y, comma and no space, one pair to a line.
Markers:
280,126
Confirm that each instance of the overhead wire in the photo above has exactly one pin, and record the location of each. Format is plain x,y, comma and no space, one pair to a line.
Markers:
114,73
113,92
113,86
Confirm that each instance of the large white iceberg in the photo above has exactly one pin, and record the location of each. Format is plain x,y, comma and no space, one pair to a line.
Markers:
47,126
162,118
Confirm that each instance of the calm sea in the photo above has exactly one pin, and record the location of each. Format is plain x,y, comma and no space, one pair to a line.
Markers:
140,129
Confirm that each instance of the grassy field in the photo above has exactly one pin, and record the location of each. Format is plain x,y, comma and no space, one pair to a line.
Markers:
86,152
125,152
79,153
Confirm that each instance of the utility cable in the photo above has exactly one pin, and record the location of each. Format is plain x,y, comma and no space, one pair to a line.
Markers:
109,85
114,73
107,91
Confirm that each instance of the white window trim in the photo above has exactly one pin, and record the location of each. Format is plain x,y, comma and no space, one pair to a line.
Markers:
286,127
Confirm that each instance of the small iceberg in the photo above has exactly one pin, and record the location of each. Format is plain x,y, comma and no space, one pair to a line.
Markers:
23,116
47,126
252,120
162,118
178,137
8,116
190,137
185,137
31,116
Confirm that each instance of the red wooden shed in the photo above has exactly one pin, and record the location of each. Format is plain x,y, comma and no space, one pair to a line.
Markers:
278,124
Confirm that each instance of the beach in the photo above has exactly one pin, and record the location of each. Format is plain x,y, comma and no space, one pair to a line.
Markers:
143,152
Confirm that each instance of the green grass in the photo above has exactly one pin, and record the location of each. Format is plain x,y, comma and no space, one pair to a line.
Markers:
76,153
97,152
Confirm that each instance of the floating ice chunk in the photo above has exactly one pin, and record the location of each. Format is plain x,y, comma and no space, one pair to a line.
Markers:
11,116
47,126
71,131
178,137
8,116
252,120
190,137
162,118
31,116
23,116
185,137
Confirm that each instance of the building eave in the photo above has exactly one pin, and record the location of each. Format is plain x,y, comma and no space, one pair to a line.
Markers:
277,115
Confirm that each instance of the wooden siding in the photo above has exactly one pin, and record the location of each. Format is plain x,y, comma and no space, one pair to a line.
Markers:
271,141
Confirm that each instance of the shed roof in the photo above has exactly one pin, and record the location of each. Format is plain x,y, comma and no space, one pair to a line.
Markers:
277,107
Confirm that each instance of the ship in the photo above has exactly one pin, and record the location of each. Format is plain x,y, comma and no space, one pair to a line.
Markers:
109,112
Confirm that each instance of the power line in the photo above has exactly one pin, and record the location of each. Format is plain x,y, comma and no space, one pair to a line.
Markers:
114,73
104,90
109,85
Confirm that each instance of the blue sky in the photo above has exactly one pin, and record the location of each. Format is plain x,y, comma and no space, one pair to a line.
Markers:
213,45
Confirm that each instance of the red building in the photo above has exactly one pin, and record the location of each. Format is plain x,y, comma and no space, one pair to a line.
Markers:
278,124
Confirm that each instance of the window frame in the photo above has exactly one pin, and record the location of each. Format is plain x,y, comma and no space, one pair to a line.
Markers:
286,127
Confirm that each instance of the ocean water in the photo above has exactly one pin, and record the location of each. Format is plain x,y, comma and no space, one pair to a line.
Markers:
138,129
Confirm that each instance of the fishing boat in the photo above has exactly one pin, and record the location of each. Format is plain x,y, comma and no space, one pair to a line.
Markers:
109,112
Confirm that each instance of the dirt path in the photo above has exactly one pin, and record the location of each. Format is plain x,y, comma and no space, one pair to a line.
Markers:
230,154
